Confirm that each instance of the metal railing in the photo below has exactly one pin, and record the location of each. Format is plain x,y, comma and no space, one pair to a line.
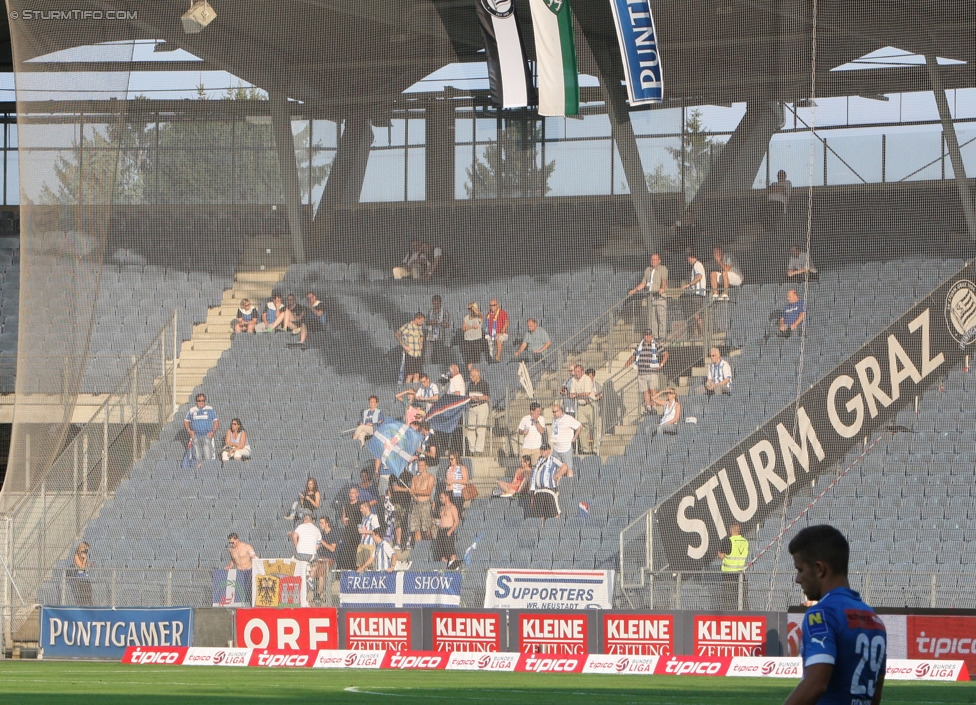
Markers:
669,591
699,328
776,591
51,510
150,587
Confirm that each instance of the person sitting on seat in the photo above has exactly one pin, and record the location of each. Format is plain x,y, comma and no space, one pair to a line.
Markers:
794,314
369,420
799,268
671,416
727,275
247,317
518,482
235,443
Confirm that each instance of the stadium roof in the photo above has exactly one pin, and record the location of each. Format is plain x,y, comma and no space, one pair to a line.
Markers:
325,53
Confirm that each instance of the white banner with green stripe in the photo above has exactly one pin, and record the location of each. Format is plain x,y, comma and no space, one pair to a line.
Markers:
555,51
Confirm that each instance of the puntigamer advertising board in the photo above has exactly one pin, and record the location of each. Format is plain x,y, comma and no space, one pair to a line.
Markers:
105,633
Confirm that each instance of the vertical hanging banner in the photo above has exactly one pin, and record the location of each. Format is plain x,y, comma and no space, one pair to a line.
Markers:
638,50
555,49
508,70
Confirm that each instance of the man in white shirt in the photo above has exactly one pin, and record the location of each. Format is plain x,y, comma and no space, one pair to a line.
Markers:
367,526
565,431
427,392
384,558
306,537
581,392
799,266
719,379
455,383
531,428
696,286
655,282
777,199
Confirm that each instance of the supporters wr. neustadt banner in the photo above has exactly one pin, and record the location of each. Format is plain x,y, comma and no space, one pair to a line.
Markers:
549,589
852,402
509,78
555,50
639,51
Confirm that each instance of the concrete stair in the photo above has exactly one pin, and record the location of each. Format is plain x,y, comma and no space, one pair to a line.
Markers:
606,353
211,338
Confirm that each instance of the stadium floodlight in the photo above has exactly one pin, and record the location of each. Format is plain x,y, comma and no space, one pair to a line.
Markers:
198,16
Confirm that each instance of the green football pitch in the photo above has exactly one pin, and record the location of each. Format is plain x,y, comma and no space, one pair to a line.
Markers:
77,683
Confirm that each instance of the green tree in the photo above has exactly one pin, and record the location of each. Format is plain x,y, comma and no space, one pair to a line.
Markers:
660,182
693,158
106,164
511,167
219,159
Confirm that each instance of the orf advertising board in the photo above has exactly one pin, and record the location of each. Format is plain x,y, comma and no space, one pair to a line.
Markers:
730,635
942,638
638,634
378,631
296,629
104,633
554,633
466,631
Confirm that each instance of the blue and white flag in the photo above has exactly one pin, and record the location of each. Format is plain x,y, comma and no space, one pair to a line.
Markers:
639,50
232,588
399,589
394,443
445,414
472,547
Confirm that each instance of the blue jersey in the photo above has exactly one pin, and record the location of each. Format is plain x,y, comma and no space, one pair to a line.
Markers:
843,631
201,419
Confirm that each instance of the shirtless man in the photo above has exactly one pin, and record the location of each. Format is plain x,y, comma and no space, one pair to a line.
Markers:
240,553
447,526
421,520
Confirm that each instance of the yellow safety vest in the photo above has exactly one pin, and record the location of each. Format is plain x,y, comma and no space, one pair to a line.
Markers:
735,562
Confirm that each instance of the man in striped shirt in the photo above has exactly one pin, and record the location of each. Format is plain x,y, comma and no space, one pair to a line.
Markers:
384,558
719,379
544,487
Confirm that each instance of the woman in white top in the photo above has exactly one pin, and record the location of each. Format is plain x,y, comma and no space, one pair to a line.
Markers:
472,341
671,415
456,477
247,317
235,443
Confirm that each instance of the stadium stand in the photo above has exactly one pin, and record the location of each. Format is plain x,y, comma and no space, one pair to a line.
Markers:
294,404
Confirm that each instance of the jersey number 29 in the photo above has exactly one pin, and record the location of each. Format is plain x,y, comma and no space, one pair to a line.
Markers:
872,655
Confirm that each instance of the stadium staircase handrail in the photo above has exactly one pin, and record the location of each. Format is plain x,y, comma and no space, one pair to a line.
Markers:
121,390
553,358
57,505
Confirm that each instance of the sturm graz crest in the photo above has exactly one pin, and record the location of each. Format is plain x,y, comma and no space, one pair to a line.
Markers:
554,5
960,311
499,8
